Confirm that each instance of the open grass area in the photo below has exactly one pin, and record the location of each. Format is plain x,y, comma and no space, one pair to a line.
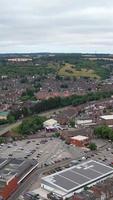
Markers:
70,70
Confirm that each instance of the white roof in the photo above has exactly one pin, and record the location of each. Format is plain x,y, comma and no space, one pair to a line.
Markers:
106,117
86,169
79,137
50,122
86,121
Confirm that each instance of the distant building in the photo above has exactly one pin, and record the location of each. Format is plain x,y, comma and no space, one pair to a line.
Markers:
85,122
107,119
4,77
3,115
79,140
46,95
19,59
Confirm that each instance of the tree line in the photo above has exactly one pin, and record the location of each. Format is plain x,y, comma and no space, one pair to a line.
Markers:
104,132
57,102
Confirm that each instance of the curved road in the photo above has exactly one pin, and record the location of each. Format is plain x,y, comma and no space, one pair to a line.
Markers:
8,128
48,113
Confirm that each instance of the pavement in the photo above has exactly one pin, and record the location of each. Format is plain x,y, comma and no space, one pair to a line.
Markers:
47,151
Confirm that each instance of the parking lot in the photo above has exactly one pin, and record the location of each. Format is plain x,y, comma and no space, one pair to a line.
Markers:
49,151
103,154
45,151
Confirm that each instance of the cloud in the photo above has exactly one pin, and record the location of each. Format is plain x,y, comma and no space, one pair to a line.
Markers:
56,26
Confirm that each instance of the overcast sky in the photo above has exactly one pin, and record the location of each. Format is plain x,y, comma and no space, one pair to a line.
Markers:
56,26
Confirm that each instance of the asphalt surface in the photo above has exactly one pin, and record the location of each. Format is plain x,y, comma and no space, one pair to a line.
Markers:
9,127
46,152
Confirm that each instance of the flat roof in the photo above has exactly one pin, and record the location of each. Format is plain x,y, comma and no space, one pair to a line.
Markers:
10,168
4,113
14,167
79,137
85,121
78,176
106,117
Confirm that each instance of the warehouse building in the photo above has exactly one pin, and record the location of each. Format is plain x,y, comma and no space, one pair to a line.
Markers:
74,179
12,173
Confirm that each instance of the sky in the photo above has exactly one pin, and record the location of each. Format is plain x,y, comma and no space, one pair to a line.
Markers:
56,26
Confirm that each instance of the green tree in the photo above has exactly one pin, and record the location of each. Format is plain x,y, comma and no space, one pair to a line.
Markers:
28,95
3,121
86,188
104,132
11,118
31,125
72,123
2,140
57,134
92,146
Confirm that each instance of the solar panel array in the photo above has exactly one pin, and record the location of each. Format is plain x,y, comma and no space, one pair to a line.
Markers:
79,175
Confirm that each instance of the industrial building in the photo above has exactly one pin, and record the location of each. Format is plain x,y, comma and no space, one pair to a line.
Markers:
107,119
12,173
79,140
84,123
74,179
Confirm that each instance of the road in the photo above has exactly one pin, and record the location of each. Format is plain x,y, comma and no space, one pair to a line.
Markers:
8,128
26,185
47,114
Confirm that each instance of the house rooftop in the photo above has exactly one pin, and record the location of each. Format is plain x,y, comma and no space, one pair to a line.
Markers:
79,137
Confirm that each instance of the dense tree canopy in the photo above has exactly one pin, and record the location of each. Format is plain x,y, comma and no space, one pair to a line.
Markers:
31,125
92,146
104,132
2,140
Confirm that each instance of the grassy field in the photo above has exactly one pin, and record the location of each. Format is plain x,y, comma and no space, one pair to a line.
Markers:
70,70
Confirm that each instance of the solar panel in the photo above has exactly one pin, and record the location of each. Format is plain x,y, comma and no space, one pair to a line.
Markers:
78,176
